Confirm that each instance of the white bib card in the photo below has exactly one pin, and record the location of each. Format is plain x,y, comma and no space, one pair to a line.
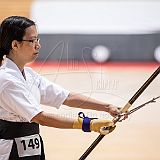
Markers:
28,145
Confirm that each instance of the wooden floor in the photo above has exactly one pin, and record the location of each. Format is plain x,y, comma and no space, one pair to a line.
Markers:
137,138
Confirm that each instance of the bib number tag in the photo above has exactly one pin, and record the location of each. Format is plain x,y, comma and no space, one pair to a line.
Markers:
28,145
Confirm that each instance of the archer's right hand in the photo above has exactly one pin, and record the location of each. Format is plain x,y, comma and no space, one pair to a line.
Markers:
101,126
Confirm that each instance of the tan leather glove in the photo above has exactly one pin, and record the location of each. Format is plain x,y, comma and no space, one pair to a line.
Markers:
99,125
96,125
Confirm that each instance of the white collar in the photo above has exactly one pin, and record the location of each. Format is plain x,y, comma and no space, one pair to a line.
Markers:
11,65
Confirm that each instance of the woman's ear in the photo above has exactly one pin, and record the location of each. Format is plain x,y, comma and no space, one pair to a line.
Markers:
15,45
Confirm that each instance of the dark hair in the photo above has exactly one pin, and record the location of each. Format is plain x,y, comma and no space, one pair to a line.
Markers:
12,28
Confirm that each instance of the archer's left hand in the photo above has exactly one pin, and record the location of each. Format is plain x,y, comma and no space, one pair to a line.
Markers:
114,111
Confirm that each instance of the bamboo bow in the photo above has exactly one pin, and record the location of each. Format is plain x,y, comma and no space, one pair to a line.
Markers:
124,110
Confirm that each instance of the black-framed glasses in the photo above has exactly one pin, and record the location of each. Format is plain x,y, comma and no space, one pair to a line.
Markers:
34,41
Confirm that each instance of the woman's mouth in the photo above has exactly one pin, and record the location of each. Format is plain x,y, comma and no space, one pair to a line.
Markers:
36,53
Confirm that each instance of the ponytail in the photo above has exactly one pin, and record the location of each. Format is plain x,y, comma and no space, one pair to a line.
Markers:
2,53
1,50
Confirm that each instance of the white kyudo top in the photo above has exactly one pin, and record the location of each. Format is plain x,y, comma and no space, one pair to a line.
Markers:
20,97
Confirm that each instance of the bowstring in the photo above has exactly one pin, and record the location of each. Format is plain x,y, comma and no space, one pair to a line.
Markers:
153,100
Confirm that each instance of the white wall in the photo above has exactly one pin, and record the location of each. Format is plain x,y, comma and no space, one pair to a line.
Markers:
93,17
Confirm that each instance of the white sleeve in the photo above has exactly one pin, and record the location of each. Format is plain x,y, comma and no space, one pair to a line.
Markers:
52,94
17,99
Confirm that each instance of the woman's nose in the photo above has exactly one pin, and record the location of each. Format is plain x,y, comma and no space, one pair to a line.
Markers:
38,45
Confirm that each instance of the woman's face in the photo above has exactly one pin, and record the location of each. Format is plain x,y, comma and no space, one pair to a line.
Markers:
29,48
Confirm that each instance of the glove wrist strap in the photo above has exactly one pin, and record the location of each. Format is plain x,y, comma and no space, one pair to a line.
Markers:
86,122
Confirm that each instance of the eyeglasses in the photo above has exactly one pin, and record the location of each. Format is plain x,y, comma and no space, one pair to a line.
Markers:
34,41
